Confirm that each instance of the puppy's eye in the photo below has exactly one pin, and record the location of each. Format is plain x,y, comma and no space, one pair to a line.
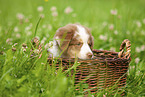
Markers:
79,44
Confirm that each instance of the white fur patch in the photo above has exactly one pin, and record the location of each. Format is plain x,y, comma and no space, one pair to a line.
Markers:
54,50
84,36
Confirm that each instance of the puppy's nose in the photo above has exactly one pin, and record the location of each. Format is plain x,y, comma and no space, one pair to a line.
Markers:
89,55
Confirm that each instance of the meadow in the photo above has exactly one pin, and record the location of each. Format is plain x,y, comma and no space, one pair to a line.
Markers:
110,21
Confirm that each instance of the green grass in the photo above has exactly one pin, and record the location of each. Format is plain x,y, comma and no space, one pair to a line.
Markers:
21,75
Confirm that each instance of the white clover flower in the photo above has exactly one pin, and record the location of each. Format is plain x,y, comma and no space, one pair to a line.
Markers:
43,63
18,35
15,75
50,44
53,8
68,10
137,60
128,72
49,27
113,12
47,35
104,24
43,40
128,32
103,37
27,28
14,49
138,73
37,37
3,48
40,8
101,49
113,49
36,51
46,46
133,67
142,48
110,39
143,32
9,41
115,32
14,57
104,95
42,15
54,14
26,20
24,47
44,26
15,44
138,23
29,33
16,29
20,16
111,26
137,49
24,50
144,21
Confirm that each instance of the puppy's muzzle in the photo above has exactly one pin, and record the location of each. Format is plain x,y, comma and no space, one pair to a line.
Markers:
89,55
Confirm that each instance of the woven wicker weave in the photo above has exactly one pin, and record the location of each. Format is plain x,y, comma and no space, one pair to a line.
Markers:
106,69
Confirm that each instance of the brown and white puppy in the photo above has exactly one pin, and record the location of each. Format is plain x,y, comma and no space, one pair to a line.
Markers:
72,40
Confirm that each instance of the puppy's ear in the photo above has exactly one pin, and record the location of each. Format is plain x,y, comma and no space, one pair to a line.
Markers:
63,37
91,37
92,42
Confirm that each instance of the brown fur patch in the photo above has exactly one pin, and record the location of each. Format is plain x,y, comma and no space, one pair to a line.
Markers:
68,43
65,35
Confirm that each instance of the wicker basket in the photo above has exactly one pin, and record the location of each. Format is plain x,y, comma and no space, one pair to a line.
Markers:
106,69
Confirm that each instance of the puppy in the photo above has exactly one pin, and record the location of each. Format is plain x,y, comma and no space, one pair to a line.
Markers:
72,40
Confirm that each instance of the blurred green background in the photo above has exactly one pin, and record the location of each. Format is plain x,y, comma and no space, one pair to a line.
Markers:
110,21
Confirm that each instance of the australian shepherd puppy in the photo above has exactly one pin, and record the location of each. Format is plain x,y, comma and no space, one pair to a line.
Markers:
72,40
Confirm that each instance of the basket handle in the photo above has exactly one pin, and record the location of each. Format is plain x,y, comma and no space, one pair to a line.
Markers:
126,54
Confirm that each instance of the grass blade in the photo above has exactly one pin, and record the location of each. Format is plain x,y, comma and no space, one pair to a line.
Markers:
37,26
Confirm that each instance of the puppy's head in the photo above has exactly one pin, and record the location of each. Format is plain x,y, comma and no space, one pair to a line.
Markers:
75,40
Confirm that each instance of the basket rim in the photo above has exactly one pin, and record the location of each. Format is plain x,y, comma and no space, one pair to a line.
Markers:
96,59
